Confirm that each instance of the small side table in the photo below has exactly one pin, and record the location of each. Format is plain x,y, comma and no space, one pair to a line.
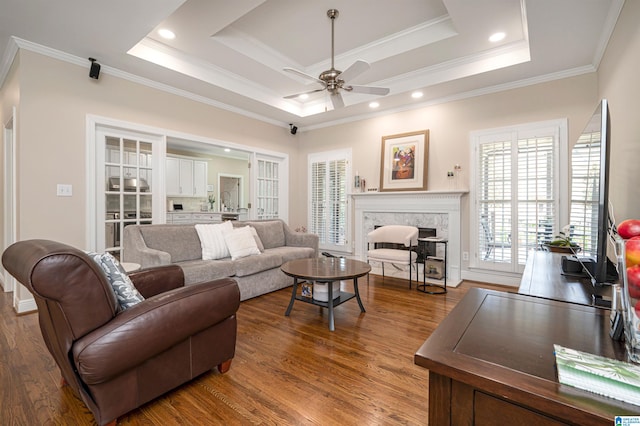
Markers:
130,266
429,287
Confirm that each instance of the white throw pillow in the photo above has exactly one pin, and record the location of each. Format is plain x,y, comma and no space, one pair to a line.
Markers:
212,239
241,243
257,238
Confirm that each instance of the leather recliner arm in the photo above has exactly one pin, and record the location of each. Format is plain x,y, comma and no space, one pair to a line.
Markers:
152,326
153,281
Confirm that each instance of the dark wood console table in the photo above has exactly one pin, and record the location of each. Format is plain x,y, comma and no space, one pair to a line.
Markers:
543,277
491,362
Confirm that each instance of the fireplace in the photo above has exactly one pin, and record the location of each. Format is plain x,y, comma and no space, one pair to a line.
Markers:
439,210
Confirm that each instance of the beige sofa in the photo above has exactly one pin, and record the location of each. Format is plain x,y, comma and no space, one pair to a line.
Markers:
156,245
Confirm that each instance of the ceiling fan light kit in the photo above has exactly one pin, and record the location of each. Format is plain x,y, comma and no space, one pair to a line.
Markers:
334,80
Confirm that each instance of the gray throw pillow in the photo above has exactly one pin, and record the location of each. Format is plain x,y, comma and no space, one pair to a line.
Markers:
122,286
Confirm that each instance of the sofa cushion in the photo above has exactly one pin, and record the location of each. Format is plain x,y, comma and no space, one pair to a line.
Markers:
124,289
288,253
198,271
254,264
241,243
271,233
180,241
212,239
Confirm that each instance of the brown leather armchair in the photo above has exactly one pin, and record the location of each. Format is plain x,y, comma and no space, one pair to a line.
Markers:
117,361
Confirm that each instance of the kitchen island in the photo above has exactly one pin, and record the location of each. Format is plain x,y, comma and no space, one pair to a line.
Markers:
204,217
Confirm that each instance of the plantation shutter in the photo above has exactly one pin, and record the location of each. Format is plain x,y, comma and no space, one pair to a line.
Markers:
536,195
585,177
318,196
328,209
516,194
494,218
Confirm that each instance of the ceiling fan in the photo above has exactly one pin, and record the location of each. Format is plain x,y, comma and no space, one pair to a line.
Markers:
334,80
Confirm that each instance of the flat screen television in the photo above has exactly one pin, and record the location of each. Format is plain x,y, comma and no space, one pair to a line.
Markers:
590,179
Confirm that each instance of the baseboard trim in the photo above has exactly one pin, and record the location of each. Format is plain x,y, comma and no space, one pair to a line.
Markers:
25,306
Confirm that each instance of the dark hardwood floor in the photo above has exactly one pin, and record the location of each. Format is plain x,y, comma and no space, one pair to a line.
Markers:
287,370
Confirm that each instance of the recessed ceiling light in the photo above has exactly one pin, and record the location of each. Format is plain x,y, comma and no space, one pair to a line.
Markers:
416,95
497,37
374,104
165,33
227,150
303,96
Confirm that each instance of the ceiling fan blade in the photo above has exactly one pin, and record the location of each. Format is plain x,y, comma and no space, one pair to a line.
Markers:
304,75
303,93
357,68
371,90
337,101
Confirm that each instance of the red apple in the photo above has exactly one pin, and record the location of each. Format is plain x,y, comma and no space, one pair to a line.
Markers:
629,228
632,248
637,308
633,280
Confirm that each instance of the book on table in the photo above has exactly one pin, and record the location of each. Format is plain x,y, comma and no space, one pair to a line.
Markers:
604,376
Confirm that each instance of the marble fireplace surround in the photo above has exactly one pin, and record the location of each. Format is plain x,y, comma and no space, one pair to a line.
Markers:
428,209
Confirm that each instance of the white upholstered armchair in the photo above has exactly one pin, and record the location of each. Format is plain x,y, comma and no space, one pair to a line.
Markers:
395,234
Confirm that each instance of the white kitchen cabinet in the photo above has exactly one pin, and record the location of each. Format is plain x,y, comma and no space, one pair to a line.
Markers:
172,172
179,218
207,218
203,217
186,177
200,178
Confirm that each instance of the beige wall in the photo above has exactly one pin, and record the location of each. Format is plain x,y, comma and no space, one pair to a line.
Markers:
619,83
449,125
56,98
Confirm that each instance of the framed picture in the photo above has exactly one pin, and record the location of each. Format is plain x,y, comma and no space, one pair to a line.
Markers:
403,163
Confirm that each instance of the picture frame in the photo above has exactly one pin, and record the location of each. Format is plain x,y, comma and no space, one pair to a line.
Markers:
403,161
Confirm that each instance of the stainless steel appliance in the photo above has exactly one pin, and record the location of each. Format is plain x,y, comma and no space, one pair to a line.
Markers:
113,229
130,184
111,237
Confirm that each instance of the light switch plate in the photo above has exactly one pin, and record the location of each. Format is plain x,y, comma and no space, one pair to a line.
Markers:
64,190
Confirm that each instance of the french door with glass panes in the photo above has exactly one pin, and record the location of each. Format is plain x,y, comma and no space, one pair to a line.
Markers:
126,187
268,189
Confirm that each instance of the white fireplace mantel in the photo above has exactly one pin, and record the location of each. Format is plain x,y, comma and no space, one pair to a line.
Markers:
412,204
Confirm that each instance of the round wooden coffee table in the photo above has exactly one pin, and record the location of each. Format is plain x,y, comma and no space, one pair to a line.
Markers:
326,270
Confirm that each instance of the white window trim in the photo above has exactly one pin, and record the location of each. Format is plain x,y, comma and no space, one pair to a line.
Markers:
561,185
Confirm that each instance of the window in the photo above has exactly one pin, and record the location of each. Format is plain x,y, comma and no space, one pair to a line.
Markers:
515,192
328,198
585,178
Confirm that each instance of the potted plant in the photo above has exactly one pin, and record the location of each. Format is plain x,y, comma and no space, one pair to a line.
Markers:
562,243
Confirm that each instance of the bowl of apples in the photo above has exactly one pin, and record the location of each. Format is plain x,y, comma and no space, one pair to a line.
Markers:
628,253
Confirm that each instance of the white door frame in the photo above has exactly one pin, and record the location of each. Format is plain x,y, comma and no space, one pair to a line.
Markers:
9,191
240,188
